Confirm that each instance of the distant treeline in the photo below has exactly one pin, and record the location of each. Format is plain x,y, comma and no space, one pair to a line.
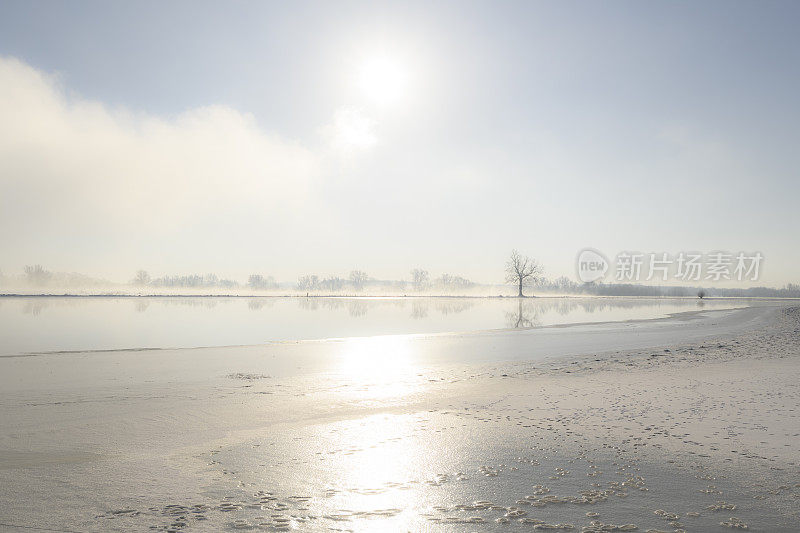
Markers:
143,279
564,285
358,281
38,276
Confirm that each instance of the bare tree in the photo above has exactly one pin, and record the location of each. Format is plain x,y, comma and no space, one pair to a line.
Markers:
256,281
450,283
307,283
522,271
142,278
37,275
420,279
332,283
358,279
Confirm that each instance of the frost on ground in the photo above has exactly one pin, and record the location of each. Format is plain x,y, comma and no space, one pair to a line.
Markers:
697,435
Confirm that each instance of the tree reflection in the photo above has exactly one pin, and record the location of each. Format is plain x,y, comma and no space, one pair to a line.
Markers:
255,304
419,310
526,316
34,307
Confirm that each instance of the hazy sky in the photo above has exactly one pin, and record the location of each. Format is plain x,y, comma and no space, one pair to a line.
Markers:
290,138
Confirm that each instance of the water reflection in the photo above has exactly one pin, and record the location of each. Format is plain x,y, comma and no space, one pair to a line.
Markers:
356,307
526,316
419,310
518,313
369,483
34,307
76,323
380,367
450,307
256,304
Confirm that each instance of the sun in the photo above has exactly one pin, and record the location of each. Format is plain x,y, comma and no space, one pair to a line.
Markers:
383,80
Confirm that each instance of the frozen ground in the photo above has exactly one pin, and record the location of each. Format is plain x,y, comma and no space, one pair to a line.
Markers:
689,422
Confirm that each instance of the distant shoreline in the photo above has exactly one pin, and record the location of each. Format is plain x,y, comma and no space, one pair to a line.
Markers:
396,296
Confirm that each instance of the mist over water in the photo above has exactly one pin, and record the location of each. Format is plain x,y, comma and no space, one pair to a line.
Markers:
43,324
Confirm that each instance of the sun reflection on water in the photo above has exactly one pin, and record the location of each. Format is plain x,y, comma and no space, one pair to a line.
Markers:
379,367
377,473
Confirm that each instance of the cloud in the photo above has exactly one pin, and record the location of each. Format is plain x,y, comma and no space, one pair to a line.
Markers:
350,131
61,153
72,168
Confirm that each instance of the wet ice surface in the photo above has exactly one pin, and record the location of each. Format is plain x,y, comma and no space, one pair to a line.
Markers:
700,436
459,470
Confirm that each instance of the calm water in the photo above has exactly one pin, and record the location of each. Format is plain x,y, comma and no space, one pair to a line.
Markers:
57,323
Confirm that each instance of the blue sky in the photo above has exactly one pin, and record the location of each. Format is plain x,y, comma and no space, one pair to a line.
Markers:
545,126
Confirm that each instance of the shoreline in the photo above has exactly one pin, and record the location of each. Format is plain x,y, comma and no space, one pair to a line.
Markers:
679,315
396,296
313,356
670,316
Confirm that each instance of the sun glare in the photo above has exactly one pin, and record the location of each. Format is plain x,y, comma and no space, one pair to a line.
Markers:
380,366
383,80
